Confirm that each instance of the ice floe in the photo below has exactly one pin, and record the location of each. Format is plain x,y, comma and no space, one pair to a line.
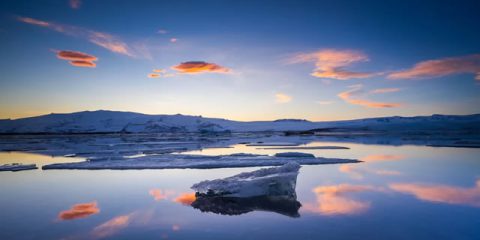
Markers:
171,161
17,167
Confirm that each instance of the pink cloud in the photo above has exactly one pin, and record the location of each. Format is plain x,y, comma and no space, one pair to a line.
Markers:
351,96
441,67
330,63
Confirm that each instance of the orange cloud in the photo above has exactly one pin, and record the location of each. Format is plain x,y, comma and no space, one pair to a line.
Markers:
330,63
332,200
79,63
111,227
194,67
81,210
385,90
77,59
441,67
159,70
104,40
282,98
441,193
185,198
351,97
153,75
75,4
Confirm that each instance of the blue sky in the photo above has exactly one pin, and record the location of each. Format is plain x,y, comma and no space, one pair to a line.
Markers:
242,60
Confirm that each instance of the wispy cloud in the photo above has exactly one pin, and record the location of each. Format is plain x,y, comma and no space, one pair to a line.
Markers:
173,40
385,90
282,98
441,193
352,96
195,67
81,210
162,31
441,67
75,4
78,59
330,63
101,39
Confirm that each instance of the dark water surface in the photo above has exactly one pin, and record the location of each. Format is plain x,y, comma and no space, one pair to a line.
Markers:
398,192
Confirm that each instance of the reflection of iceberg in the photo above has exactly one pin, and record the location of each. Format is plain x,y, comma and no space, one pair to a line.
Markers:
268,189
276,181
236,205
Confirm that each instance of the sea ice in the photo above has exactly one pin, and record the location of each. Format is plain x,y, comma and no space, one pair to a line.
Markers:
17,167
170,161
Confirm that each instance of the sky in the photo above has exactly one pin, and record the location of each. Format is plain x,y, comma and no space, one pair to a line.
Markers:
241,60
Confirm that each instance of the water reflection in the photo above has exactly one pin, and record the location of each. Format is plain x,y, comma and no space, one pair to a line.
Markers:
336,199
186,198
112,226
81,210
159,194
236,206
441,193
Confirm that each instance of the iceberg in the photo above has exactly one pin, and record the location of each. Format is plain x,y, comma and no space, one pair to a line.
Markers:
275,181
17,167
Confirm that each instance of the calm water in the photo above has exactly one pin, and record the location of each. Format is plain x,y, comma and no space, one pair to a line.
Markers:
406,192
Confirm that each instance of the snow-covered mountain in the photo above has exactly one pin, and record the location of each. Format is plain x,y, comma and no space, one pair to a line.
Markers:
129,122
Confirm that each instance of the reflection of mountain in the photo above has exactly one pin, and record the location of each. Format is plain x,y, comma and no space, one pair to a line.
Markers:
237,206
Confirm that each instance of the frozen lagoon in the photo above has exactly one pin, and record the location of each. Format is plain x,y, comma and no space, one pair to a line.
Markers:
428,192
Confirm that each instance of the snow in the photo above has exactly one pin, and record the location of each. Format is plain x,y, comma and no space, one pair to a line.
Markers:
182,161
130,122
17,167
275,181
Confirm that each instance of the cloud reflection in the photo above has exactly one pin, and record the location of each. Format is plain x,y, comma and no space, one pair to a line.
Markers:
81,210
186,198
334,199
441,193
111,227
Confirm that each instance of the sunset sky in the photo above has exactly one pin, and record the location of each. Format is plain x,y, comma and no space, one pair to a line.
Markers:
241,60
